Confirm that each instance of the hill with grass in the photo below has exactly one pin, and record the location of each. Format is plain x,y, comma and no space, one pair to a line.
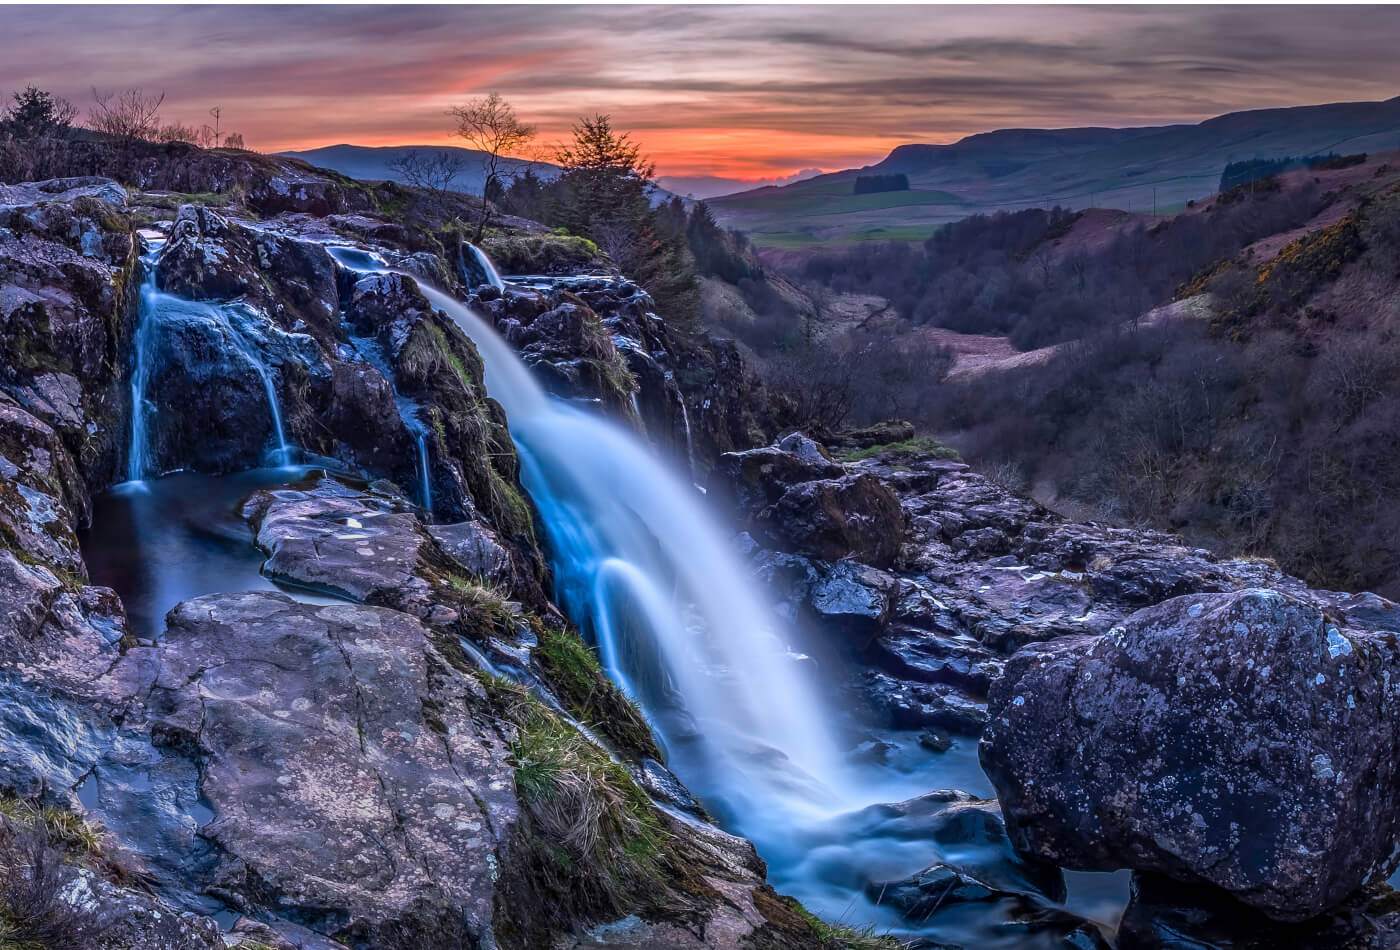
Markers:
1152,170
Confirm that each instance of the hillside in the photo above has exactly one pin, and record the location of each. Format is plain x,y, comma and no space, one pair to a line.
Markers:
1010,169
1228,372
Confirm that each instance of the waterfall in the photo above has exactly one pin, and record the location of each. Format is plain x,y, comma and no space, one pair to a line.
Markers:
424,471
689,442
244,348
641,566
234,322
141,372
493,276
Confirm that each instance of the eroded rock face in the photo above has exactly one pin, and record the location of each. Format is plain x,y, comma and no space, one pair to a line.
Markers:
294,282
599,338
1239,739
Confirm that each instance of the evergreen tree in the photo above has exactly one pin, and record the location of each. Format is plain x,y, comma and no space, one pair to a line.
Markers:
604,194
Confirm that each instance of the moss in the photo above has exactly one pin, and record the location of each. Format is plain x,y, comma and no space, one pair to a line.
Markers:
207,199
843,936
526,253
572,671
512,511
923,445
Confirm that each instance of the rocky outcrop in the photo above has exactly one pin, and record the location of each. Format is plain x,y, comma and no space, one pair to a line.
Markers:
599,339
68,266
932,575
293,282
1238,739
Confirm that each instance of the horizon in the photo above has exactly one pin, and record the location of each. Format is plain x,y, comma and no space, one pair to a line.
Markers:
733,92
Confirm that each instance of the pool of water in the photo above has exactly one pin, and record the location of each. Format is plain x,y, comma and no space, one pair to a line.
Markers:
165,540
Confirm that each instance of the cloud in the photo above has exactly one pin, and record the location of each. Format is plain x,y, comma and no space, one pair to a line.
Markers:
746,91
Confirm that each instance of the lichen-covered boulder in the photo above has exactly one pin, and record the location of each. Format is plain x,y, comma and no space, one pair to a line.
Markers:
1246,740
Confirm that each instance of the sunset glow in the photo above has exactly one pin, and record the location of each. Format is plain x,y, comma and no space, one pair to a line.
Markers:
738,91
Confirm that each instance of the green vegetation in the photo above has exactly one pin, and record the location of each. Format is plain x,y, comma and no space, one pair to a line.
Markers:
571,669
60,826
592,843
534,253
923,445
844,936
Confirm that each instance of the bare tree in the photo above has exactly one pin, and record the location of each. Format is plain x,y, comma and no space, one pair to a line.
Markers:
489,125
434,172
129,116
234,140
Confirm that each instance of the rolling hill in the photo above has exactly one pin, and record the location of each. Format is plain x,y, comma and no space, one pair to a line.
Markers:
1136,169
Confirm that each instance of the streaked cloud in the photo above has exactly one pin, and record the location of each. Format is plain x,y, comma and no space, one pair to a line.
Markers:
746,91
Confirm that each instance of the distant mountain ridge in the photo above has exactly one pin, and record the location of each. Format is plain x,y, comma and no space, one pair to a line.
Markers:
703,187
375,163
1131,168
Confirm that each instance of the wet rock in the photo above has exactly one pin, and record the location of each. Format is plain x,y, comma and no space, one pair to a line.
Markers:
853,598
1270,735
363,546
437,370
935,741
477,549
213,258
902,704
68,265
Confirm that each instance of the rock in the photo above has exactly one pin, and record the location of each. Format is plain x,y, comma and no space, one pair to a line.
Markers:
830,519
918,897
935,741
912,705
68,266
1270,734
1164,914
757,478
212,258
853,599
335,740
478,549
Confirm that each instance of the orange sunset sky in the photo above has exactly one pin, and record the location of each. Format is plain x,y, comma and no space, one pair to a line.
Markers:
737,91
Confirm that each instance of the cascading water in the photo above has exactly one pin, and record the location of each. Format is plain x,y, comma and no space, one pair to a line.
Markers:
425,472
681,628
231,321
678,622
493,276
144,345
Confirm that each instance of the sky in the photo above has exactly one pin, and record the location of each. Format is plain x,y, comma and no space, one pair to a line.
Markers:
742,92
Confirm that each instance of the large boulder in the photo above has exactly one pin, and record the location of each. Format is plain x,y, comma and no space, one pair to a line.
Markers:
1246,740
